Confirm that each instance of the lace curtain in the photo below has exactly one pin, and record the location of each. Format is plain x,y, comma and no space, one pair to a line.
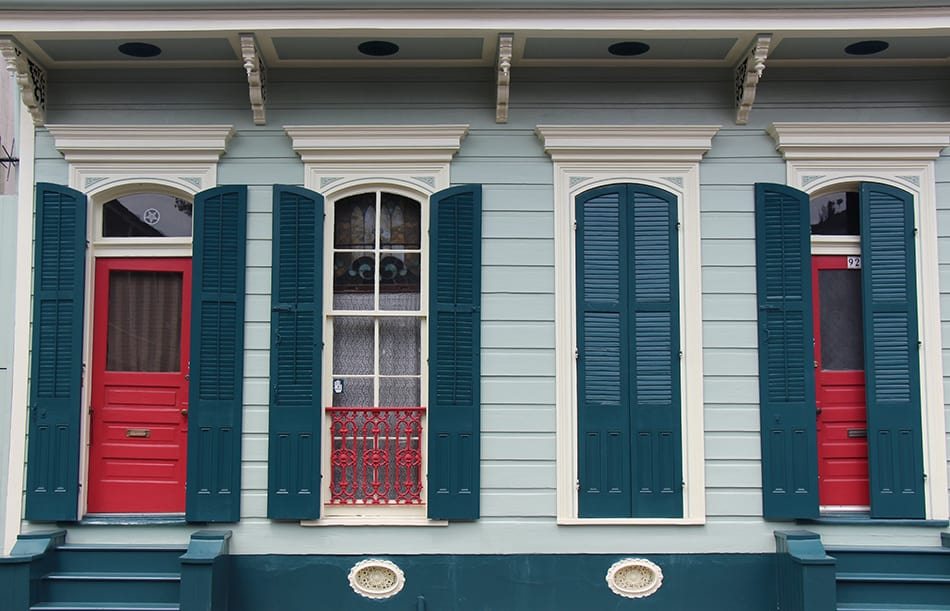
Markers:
144,321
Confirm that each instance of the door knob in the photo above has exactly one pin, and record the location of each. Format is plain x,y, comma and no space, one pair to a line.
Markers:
184,412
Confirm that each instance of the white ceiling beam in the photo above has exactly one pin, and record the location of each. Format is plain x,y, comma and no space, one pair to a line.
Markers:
747,74
503,65
30,77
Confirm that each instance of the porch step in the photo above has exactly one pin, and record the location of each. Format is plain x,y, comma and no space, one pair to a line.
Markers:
71,606
892,579
891,607
104,558
126,586
112,578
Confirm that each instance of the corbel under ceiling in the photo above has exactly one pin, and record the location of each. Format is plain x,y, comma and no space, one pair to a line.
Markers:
505,43
256,76
747,74
29,75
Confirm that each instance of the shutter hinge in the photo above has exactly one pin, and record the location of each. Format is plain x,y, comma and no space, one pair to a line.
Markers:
681,355
577,484
915,231
678,224
919,344
575,224
577,354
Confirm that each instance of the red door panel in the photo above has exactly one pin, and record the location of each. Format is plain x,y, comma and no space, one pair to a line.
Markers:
140,388
841,414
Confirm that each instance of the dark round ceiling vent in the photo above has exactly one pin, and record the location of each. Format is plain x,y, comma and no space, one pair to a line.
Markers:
378,48
867,47
139,49
628,48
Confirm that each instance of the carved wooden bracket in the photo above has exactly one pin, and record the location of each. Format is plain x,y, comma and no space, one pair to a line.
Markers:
748,73
256,76
29,75
504,77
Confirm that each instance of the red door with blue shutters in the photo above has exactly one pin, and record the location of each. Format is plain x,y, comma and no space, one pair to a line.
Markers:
139,407
841,405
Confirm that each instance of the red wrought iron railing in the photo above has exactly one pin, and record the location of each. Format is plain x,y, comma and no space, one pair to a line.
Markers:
376,457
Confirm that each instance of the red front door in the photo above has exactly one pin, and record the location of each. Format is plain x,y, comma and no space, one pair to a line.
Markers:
839,383
139,386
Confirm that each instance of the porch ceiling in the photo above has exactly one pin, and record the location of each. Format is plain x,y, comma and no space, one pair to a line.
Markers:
460,47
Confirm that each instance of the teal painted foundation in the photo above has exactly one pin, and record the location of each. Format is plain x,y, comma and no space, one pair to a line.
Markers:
711,582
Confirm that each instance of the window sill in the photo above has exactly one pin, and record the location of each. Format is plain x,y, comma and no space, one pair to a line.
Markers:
631,521
374,521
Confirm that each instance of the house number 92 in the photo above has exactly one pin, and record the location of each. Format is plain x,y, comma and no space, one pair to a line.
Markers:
854,262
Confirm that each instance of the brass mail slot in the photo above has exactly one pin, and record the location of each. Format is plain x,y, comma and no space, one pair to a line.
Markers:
857,433
138,433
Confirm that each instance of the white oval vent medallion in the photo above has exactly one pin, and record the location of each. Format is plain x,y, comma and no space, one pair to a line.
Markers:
376,578
634,577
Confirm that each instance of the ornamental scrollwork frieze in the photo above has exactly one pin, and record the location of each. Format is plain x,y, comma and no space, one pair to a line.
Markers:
256,76
748,72
30,77
505,44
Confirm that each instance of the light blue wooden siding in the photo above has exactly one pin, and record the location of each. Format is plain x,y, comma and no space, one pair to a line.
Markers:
518,372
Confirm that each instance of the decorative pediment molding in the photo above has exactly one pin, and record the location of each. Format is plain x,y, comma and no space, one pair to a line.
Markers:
659,143
887,141
30,77
748,72
503,65
136,143
256,76
376,143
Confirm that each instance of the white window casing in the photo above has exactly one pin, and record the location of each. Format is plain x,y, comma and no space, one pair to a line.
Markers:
820,156
339,161
662,156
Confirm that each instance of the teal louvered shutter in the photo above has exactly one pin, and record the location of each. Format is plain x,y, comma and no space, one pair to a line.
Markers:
603,376
217,355
786,353
293,467
628,367
52,473
454,354
655,354
892,366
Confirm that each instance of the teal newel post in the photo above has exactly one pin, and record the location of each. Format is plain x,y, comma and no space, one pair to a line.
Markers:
22,571
806,574
204,571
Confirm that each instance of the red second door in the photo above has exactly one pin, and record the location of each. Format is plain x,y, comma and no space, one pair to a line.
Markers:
139,386
841,413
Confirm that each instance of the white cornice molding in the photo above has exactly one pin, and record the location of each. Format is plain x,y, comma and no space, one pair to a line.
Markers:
888,141
29,76
256,76
136,143
376,143
656,20
659,143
